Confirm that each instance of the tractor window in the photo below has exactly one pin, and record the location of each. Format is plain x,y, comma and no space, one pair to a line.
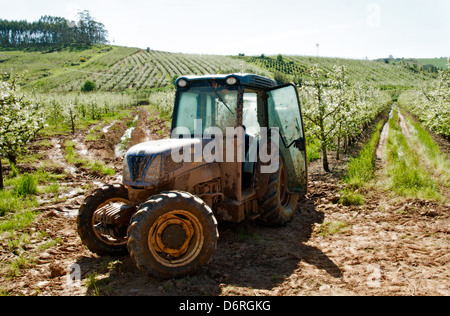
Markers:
284,114
200,108
250,114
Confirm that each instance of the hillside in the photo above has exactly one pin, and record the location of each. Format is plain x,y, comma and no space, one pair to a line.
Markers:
113,68
376,73
52,70
118,69
437,62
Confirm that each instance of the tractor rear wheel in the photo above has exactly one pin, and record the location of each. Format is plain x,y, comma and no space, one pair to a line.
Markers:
172,235
278,205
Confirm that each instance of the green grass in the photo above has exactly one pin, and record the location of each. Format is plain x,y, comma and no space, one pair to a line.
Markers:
362,168
406,176
91,284
27,185
18,220
19,196
10,202
437,62
99,167
313,149
70,155
351,198
96,166
428,148
93,136
332,228
18,264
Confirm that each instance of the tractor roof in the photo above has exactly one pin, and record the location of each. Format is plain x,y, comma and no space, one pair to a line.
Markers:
251,80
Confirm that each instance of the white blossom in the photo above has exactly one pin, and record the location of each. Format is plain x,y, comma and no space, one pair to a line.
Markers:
20,120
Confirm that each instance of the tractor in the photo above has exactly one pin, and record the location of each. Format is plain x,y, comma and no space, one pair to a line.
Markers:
237,153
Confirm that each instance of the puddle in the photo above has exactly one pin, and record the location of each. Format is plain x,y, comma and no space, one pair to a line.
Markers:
405,129
69,213
121,148
57,156
81,147
383,140
73,193
105,129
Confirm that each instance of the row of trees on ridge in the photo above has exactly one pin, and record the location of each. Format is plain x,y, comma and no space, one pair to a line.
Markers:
52,31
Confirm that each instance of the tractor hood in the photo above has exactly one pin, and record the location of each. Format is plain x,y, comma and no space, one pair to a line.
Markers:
147,163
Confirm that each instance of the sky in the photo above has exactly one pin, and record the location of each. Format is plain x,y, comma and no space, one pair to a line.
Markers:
342,28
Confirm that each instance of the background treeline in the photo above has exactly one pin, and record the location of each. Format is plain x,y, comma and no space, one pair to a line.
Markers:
51,31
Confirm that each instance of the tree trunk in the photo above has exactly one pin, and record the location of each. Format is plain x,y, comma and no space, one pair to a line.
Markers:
12,158
72,120
338,148
346,144
325,158
1,175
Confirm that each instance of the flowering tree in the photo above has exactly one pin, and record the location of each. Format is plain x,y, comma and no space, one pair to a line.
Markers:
431,105
324,99
20,121
435,111
334,109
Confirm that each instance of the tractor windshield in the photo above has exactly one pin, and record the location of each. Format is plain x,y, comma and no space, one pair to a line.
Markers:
201,107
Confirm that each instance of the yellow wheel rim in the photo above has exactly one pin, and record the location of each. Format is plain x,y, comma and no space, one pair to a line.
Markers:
176,238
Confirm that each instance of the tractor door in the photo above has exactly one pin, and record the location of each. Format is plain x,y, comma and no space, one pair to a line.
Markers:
284,113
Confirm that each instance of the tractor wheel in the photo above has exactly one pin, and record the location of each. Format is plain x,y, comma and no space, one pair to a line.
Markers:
94,232
172,235
278,206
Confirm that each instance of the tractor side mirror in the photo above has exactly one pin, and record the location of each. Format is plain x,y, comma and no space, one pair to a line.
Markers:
298,143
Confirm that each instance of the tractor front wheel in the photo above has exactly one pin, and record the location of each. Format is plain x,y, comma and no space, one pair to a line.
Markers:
96,229
172,235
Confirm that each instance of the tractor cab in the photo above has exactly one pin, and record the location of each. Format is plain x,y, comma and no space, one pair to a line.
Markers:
255,112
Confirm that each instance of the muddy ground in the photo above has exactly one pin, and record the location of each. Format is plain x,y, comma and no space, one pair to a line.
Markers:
388,246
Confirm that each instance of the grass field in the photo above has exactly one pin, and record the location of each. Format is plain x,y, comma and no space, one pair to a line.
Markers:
118,69
441,63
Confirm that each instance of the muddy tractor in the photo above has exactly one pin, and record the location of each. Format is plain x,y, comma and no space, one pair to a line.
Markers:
237,153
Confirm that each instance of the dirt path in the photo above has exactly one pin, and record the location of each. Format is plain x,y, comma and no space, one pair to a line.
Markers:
405,129
382,248
381,150
388,246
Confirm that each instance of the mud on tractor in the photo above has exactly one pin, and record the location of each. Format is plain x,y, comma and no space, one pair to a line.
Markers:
165,213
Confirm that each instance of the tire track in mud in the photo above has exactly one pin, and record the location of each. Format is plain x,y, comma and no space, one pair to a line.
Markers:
72,184
419,148
381,149
78,178
55,224
405,129
101,150
57,156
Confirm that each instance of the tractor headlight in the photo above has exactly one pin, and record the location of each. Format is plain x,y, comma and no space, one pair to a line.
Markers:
153,172
231,81
182,83
126,173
